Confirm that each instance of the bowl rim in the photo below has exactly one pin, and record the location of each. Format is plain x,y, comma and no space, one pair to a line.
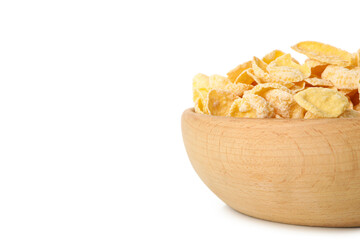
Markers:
192,111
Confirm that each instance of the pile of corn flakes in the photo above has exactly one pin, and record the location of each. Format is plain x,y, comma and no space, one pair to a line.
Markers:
278,86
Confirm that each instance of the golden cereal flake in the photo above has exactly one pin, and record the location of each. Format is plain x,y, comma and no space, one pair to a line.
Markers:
218,82
234,73
357,107
318,82
284,68
298,86
242,108
201,81
323,102
351,105
349,113
201,106
296,111
259,69
245,77
348,92
283,103
355,61
219,102
238,89
341,77
268,80
316,66
268,58
310,115
261,89
324,53
200,93
251,106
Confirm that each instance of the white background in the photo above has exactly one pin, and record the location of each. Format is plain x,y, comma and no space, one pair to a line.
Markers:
91,95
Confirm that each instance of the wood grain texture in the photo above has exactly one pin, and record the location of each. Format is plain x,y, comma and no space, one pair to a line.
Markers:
303,172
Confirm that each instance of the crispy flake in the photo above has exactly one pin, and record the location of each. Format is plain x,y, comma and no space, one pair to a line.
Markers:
355,61
296,111
281,101
317,67
238,89
323,102
234,73
310,115
200,81
251,106
245,77
200,93
268,58
219,102
261,89
351,105
357,107
218,82
318,82
201,106
348,92
283,68
259,69
324,53
341,77
349,113
298,86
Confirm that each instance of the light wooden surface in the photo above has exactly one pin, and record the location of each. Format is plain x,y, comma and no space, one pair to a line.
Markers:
303,172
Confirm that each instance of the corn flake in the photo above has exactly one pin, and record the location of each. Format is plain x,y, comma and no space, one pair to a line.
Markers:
261,89
317,67
318,82
268,58
324,53
355,61
357,107
348,92
219,102
245,77
251,106
282,101
341,77
296,111
323,102
200,93
259,69
234,73
201,81
283,68
310,115
349,113
218,82
268,80
201,106
298,86
351,105
238,89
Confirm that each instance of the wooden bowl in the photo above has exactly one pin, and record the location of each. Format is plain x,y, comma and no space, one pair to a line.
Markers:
304,172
